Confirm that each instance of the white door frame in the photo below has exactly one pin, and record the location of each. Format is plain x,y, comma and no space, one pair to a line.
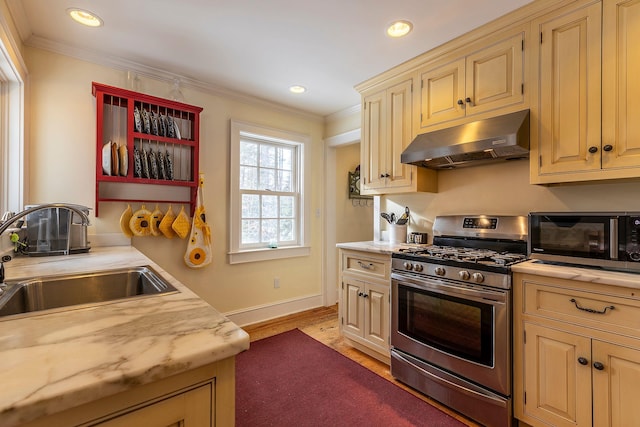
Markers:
330,294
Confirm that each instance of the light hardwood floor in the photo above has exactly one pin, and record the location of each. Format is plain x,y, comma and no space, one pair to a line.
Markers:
322,324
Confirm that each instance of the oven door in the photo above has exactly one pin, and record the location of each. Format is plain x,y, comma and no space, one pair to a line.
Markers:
458,327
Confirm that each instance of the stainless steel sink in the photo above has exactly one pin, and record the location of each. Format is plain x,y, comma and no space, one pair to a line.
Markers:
51,292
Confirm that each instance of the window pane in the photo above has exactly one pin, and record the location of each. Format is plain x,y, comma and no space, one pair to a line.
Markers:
267,179
284,158
250,231
287,205
267,156
284,181
250,206
248,178
248,153
269,230
269,206
287,231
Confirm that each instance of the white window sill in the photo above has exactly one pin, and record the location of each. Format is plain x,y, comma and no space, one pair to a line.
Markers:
268,254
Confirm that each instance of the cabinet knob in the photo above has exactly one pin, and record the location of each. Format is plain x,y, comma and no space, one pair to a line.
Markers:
607,147
582,361
384,175
460,102
593,149
468,100
365,295
599,366
360,294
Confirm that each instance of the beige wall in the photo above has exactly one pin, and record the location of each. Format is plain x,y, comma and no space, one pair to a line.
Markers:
354,218
62,168
504,189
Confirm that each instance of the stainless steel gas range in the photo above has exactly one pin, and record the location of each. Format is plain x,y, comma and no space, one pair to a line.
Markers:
451,314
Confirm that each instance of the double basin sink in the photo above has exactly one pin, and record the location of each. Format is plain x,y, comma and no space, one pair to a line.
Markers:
33,295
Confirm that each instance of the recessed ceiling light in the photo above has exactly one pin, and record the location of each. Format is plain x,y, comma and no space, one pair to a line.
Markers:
85,17
399,28
297,89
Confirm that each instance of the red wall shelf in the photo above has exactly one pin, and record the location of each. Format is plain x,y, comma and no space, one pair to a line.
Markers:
167,141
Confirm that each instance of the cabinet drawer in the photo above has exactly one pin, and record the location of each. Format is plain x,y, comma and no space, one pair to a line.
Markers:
584,308
366,266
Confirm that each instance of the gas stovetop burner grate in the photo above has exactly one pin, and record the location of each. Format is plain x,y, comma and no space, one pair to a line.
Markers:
464,255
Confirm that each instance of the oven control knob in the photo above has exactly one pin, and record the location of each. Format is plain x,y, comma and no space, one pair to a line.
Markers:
464,275
417,267
440,271
407,265
477,277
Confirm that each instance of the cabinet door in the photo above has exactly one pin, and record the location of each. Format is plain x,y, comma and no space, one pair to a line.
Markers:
569,93
399,134
192,408
620,84
377,315
374,145
442,93
557,386
352,311
494,76
615,386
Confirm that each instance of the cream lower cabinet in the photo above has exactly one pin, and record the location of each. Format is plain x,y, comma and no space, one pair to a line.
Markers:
203,397
191,408
576,359
587,61
365,301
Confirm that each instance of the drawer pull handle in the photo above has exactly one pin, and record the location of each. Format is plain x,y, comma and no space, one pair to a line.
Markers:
591,310
365,266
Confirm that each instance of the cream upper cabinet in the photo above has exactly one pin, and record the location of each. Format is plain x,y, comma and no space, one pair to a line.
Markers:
386,132
442,93
576,353
588,103
568,125
487,79
620,85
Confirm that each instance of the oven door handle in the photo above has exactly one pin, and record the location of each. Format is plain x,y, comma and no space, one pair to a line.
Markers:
449,288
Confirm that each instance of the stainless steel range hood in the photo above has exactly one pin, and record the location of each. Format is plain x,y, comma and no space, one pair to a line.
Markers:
498,138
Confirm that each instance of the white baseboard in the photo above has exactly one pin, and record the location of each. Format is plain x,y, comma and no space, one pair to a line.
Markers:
265,312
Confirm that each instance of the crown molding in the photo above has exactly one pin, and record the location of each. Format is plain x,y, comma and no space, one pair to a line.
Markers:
347,112
20,20
159,74
346,138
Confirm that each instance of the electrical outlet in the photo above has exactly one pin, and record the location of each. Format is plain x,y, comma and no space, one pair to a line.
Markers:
276,282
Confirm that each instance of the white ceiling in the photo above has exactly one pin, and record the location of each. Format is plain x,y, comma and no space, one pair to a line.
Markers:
258,47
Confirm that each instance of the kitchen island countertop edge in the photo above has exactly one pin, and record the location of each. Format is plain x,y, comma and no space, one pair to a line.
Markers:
53,361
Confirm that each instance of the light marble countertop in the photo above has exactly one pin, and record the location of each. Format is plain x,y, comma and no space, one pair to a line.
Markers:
379,247
585,274
56,361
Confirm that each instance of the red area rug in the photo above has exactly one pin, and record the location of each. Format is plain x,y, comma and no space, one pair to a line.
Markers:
291,379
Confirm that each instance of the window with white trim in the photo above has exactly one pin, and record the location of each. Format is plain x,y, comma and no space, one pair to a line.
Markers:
12,164
267,208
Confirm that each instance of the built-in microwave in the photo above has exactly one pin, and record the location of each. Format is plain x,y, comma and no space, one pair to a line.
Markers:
603,239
